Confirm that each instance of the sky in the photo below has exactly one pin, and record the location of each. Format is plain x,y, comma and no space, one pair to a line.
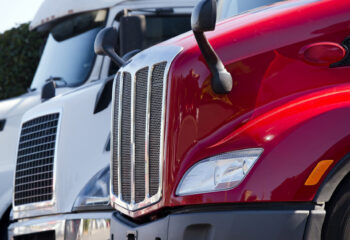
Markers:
15,12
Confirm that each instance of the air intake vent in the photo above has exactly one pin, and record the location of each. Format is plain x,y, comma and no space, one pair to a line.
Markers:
35,159
137,136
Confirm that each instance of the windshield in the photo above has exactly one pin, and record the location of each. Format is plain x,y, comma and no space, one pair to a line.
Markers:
69,54
161,28
229,8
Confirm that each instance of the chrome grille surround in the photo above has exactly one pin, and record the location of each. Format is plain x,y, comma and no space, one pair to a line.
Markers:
20,210
149,59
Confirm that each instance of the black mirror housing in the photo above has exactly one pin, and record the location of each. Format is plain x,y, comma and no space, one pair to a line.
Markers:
204,16
131,31
105,41
105,44
48,91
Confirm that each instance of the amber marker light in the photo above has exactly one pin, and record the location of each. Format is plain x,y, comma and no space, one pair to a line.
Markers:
318,172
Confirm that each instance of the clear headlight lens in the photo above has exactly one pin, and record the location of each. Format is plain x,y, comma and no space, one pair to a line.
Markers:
95,193
218,173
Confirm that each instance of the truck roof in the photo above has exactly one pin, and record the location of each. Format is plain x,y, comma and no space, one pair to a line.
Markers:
52,9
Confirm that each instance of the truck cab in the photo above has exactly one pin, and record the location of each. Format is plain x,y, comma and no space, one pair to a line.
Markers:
61,178
60,70
241,131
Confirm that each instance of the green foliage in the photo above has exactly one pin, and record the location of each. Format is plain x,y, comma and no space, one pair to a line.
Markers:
19,57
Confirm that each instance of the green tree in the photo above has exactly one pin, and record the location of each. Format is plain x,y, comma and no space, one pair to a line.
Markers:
19,57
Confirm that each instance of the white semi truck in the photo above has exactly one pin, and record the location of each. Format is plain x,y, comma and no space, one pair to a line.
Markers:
58,59
61,183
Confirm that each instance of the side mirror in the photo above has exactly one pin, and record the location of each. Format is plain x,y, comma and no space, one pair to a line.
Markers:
204,16
48,91
105,42
131,31
203,20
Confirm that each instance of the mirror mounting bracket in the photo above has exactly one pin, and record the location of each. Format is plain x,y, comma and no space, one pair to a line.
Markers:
204,20
222,79
104,45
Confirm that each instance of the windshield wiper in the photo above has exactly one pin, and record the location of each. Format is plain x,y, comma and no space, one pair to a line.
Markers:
57,79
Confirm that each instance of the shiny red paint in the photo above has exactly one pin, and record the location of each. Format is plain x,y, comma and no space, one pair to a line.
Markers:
299,113
323,53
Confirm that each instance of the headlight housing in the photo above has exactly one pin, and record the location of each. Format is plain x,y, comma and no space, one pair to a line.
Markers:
95,194
218,173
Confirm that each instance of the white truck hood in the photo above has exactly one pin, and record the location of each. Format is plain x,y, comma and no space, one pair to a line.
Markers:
79,153
18,105
52,9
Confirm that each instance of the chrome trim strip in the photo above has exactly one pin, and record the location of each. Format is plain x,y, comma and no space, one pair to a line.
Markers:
162,127
121,86
98,225
132,137
111,180
148,114
147,58
44,207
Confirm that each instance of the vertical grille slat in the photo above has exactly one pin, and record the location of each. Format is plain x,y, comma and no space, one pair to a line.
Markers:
140,133
125,148
115,174
138,123
155,125
35,160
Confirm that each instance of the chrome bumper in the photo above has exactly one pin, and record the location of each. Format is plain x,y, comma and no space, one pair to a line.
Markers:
82,226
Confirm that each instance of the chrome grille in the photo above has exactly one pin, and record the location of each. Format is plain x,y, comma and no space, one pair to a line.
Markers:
35,159
140,134
125,148
137,126
155,123
115,142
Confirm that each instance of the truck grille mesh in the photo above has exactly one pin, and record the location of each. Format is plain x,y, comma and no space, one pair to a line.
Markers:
35,159
137,127
125,150
155,122
140,133
114,144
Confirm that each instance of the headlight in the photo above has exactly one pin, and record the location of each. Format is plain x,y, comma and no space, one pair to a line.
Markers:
95,194
218,173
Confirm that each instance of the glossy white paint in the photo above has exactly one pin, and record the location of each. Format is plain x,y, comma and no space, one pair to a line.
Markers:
80,153
12,110
51,10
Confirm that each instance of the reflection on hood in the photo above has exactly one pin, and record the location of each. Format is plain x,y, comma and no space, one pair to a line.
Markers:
18,105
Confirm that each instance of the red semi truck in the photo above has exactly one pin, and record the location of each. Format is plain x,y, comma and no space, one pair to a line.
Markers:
238,133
